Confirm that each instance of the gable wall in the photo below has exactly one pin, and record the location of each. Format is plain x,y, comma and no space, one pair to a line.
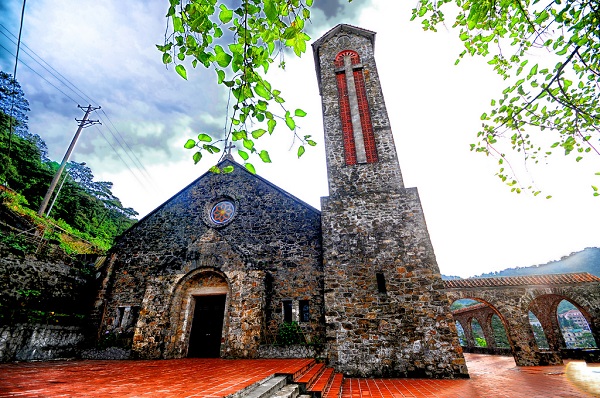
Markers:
271,234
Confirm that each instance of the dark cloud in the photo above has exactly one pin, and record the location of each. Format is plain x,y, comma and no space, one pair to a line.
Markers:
331,8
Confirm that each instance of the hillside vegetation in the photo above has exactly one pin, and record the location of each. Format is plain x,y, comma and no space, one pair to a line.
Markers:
586,260
83,216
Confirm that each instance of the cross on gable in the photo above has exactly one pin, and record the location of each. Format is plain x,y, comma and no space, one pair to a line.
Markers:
228,147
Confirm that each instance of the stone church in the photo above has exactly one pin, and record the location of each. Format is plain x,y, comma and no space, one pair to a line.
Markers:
215,270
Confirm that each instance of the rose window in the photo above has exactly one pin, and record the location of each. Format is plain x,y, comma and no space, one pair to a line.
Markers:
222,212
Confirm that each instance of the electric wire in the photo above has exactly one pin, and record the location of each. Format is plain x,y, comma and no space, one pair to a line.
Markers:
54,72
42,77
129,151
117,136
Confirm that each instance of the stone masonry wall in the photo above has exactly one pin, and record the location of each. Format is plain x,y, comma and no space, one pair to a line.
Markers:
43,285
271,233
406,331
42,305
382,176
28,342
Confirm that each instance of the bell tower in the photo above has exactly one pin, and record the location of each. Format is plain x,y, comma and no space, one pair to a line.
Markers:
385,310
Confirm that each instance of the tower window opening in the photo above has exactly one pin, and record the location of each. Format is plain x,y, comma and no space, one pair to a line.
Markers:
287,310
381,288
304,311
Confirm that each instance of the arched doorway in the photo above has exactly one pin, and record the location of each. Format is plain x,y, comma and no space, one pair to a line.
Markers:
199,314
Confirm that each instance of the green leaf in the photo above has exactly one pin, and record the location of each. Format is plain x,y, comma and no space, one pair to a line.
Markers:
239,135
271,125
204,137
167,58
250,168
264,156
197,156
262,91
301,150
258,133
226,14
249,144
227,169
189,144
300,113
289,121
178,25
180,69
243,154
220,76
223,59
270,10
211,148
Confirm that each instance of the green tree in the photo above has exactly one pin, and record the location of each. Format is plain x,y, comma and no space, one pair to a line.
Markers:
499,332
240,43
14,106
22,166
558,94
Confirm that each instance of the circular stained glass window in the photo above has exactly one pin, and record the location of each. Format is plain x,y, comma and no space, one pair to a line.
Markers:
222,212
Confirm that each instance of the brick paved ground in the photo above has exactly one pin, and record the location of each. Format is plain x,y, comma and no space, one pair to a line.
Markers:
491,376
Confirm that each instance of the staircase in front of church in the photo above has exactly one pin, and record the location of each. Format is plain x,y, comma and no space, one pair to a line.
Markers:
313,381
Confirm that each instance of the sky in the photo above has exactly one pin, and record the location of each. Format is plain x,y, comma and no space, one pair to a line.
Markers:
105,52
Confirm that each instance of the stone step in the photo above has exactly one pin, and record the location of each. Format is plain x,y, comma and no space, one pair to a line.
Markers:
287,391
263,389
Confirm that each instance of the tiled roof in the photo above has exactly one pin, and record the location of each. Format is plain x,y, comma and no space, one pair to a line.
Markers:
500,281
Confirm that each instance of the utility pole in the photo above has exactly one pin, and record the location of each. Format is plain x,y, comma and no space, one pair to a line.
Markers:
82,123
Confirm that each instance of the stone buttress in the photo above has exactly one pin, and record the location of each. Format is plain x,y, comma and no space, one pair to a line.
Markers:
385,311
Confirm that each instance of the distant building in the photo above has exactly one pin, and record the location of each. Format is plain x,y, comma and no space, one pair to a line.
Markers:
577,318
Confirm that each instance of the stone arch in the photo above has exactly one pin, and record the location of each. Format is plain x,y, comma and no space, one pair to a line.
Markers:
545,307
483,313
199,282
513,297
512,311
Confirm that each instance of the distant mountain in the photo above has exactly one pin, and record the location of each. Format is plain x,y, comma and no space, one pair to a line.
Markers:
587,260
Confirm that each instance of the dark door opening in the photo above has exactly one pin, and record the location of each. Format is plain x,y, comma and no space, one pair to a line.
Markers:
205,336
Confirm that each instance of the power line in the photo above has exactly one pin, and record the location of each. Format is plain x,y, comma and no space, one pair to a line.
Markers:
43,78
119,156
130,151
78,92
54,72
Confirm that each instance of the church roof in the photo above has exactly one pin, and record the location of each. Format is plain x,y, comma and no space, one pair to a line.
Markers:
227,161
526,280
342,28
